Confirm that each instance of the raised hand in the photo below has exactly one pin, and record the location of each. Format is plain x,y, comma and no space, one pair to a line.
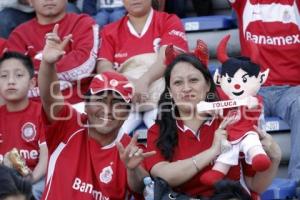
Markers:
54,47
132,155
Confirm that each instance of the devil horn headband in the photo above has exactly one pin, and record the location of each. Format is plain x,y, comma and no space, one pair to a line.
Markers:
221,49
201,52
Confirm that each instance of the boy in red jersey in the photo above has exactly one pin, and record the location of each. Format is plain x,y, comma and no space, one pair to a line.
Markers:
20,118
87,155
79,61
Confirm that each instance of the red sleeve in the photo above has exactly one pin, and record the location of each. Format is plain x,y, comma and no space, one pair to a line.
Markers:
106,47
2,45
173,33
80,58
59,131
152,136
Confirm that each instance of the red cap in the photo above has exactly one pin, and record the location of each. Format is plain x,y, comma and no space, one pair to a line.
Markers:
112,81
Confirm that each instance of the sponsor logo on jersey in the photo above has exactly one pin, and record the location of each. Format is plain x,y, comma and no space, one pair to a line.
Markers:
28,132
85,187
277,40
178,34
121,55
106,174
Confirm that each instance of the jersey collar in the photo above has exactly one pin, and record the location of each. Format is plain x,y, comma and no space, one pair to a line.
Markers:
145,28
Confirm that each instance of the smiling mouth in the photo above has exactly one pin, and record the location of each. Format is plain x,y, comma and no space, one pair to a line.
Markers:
238,93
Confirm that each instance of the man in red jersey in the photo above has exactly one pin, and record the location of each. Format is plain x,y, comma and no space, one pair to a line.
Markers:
87,155
274,27
79,60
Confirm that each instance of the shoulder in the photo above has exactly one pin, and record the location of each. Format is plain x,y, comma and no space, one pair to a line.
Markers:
79,19
114,27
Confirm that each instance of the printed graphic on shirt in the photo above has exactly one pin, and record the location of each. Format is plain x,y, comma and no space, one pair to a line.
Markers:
106,174
28,131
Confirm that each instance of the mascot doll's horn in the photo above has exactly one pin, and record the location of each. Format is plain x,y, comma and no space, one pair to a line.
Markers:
221,50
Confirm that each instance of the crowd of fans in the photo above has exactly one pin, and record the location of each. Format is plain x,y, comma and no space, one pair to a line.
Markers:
75,78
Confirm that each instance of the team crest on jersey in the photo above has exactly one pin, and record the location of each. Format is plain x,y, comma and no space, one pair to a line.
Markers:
28,131
106,174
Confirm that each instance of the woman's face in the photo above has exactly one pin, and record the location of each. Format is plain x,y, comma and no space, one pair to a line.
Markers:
137,8
187,87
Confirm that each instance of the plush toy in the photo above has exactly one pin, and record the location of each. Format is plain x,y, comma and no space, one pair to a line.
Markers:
240,79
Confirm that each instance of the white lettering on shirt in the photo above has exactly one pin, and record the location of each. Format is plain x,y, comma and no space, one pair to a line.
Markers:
178,34
84,187
26,154
276,41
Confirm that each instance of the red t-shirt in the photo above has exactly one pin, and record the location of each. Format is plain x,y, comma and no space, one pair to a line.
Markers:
2,45
119,40
24,130
79,60
274,26
188,146
79,167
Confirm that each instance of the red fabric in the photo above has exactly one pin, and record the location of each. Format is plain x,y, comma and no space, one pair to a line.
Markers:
188,146
79,60
79,167
273,26
2,45
23,130
119,44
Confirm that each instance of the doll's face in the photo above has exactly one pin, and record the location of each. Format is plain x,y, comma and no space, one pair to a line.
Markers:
241,85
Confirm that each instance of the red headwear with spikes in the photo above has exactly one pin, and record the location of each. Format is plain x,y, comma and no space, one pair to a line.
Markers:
201,52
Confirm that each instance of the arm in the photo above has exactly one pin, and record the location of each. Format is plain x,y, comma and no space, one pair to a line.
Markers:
80,58
132,156
104,65
47,78
178,172
262,180
40,169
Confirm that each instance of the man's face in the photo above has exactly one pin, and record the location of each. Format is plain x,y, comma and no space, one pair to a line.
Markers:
241,85
106,112
49,8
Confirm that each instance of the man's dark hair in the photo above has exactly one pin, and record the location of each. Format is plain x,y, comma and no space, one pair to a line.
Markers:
12,184
25,60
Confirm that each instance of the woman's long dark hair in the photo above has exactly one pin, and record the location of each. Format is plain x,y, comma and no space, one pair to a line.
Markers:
168,138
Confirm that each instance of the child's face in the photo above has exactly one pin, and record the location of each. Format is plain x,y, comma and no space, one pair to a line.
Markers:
14,80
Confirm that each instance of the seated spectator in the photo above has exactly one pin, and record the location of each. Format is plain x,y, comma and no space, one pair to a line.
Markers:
12,186
20,125
145,35
227,189
87,156
259,25
103,11
16,12
187,142
80,56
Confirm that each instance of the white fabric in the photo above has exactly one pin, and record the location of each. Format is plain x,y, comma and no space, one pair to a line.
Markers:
231,157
